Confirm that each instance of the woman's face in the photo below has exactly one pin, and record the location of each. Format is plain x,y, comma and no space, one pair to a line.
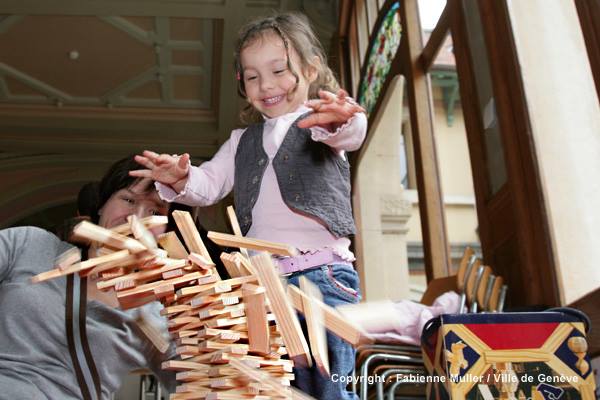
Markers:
139,199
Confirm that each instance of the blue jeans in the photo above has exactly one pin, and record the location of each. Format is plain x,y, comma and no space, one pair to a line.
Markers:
339,285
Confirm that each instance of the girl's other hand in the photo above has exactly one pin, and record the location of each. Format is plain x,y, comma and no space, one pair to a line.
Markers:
331,110
164,168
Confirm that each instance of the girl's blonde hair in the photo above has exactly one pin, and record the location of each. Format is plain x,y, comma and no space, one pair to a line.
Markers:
295,31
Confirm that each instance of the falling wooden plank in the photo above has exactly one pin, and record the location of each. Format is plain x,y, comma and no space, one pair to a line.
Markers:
80,267
313,314
150,222
258,326
190,234
235,226
68,258
171,243
224,239
334,321
141,233
153,334
87,230
286,317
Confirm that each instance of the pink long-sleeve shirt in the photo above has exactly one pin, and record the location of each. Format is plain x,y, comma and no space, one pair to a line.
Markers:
272,219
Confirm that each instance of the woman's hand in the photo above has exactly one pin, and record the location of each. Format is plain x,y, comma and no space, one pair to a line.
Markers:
330,111
164,168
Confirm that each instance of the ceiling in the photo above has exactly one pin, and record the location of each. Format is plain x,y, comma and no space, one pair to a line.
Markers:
85,82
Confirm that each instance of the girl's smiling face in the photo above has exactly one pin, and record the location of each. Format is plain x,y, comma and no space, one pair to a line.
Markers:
267,79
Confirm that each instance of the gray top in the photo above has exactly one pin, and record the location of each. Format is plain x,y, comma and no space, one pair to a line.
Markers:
34,354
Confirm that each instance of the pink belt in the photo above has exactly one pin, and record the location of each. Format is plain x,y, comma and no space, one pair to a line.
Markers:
289,265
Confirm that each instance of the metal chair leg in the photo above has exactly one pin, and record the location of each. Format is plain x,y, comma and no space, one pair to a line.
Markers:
398,371
364,370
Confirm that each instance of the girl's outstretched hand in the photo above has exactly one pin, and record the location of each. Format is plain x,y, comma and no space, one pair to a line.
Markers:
331,110
164,168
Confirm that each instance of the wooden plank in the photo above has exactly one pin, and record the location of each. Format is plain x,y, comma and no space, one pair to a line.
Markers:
431,203
263,378
80,267
201,261
286,317
462,267
235,226
333,320
224,239
258,326
232,264
95,233
142,275
153,334
190,234
171,243
68,258
150,222
317,334
436,39
141,233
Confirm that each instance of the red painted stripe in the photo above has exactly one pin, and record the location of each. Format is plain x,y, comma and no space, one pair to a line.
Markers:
513,336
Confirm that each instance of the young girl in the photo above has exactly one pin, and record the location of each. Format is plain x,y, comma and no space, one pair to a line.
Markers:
288,169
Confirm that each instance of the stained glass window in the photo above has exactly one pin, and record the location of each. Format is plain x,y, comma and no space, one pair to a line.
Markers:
383,51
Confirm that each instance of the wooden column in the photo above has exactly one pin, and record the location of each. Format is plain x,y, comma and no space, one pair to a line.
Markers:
431,204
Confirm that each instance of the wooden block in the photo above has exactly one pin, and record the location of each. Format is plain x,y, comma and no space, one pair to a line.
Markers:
170,242
286,317
174,365
235,226
265,379
232,265
148,222
141,233
227,298
190,234
125,284
333,320
148,288
200,261
175,309
175,273
227,240
142,275
80,267
68,258
208,333
87,230
258,326
163,290
153,334
224,311
315,324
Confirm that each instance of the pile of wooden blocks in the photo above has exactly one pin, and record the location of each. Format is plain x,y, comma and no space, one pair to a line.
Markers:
233,335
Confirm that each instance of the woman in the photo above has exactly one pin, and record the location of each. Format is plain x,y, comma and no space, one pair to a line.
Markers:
50,348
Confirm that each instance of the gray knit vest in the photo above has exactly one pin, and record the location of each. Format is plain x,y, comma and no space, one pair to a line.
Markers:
312,178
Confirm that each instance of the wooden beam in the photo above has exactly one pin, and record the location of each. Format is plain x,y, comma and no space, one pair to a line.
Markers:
313,314
87,230
436,39
431,203
190,234
334,321
235,226
224,239
258,326
171,243
284,313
